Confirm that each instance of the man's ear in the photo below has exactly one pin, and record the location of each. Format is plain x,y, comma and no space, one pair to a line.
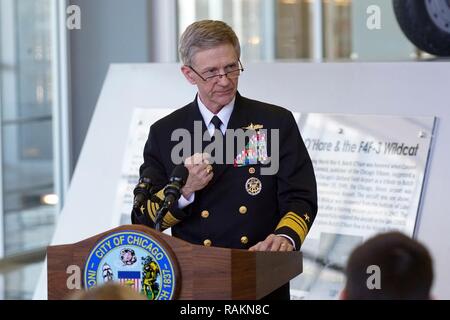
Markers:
188,74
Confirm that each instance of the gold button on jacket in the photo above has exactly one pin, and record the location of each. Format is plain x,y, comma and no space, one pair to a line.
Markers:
244,240
207,243
205,214
243,210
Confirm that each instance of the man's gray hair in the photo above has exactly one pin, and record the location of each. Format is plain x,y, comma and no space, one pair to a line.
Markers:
206,34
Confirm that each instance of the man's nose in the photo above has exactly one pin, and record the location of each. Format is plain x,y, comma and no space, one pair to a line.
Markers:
223,79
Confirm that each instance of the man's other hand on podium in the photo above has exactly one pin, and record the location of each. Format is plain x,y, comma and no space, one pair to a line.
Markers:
273,243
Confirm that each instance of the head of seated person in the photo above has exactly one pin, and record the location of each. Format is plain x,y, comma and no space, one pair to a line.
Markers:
389,266
108,291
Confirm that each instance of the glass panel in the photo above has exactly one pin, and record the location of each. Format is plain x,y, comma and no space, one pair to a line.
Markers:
337,33
294,29
385,44
20,283
246,17
26,124
31,60
284,29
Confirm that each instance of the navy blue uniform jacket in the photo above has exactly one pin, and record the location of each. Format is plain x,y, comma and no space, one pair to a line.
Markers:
224,213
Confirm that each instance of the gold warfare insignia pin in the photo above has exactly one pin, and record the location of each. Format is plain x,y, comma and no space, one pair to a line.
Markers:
253,186
253,127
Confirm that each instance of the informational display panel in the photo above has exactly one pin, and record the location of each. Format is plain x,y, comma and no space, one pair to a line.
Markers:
370,172
133,158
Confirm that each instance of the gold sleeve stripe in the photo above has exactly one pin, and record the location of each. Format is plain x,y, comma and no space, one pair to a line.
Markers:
290,223
152,207
170,220
298,219
165,225
150,211
300,225
296,223
155,208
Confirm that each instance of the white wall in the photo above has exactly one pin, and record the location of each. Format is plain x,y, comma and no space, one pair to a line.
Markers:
412,89
111,32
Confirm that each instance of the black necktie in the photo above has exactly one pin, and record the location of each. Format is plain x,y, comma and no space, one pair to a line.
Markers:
216,122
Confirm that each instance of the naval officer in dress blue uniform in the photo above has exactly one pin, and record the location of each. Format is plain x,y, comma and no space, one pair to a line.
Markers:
231,204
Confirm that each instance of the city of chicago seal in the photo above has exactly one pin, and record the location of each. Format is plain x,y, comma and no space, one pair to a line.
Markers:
132,259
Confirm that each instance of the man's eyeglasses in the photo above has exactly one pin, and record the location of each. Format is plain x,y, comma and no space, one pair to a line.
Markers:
232,71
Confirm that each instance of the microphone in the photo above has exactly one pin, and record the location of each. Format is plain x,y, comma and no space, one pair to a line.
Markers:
177,180
172,192
143,190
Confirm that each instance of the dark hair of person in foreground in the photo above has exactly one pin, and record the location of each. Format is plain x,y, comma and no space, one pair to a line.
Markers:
405,269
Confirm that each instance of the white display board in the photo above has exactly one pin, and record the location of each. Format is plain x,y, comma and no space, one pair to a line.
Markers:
133,158
398,89
370,171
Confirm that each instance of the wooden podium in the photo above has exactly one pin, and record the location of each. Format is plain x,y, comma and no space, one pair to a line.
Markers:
202,273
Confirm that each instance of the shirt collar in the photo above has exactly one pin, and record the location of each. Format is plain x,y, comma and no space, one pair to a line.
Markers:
224,113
